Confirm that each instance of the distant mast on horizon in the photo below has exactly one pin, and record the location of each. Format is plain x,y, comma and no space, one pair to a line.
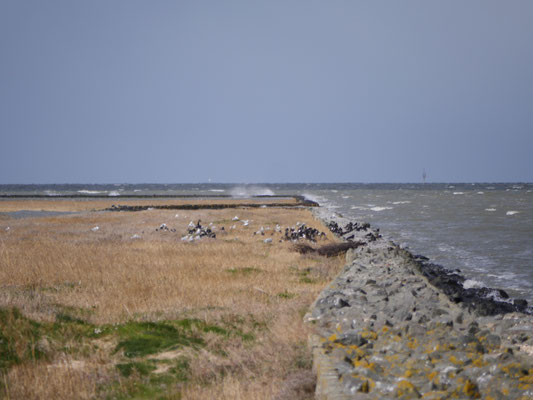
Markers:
424,175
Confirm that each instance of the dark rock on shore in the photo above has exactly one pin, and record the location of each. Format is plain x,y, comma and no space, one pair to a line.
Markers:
303,232
329,250
485,301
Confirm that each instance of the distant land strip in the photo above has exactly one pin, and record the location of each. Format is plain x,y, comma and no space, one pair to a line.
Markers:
140,196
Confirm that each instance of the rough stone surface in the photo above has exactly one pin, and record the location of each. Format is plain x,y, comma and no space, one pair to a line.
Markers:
384,331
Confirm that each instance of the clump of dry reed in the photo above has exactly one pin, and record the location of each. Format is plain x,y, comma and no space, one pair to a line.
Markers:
327,250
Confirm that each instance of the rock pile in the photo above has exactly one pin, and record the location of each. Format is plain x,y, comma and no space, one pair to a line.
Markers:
303,232
385,332
350,230
164,227
197,231
485,301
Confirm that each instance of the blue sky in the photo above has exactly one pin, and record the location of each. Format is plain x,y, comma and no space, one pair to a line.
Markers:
265,91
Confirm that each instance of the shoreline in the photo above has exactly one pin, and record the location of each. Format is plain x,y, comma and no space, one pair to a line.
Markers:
394,325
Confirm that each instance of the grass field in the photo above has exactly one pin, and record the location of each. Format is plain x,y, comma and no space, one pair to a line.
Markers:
132,311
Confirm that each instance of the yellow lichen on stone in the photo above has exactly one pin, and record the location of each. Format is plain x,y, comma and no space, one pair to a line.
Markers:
410,372
333,337
369,335
527,378
413,343
514,370
434,377
455,360
470,389
362,362
367,385
360,352
434,394
405,388
392,358
479,362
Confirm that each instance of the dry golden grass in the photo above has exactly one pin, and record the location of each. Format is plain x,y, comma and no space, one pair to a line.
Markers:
53,264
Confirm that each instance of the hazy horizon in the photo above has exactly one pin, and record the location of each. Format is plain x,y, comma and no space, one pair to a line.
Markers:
271,183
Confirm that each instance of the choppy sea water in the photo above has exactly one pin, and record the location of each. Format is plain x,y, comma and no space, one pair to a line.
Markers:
483,229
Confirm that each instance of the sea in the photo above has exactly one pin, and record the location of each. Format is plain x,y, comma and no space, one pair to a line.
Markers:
483,229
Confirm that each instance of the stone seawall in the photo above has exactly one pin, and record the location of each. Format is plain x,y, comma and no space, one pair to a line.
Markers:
384,331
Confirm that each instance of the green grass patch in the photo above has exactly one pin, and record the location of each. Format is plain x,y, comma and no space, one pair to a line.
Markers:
243,271
286,295
64,317
144,338
304,276
181,369
142,368
138,339
18,338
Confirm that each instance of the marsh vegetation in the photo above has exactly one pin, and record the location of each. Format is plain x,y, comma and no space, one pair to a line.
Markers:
127,311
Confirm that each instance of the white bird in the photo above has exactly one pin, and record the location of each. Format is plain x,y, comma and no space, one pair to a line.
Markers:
235,218
246,222
268,240
95,228
191,224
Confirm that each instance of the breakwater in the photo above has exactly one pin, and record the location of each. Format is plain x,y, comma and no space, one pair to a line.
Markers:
393,325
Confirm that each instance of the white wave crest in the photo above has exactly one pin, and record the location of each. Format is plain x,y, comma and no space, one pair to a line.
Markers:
490,209
248,191
216,190
83,191
511,212
458,193
114,193
472,284
401,202
381,208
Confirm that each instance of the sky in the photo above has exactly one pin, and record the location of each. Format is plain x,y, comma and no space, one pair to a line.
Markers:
129,91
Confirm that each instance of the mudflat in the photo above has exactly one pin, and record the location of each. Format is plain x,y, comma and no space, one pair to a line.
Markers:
102,304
